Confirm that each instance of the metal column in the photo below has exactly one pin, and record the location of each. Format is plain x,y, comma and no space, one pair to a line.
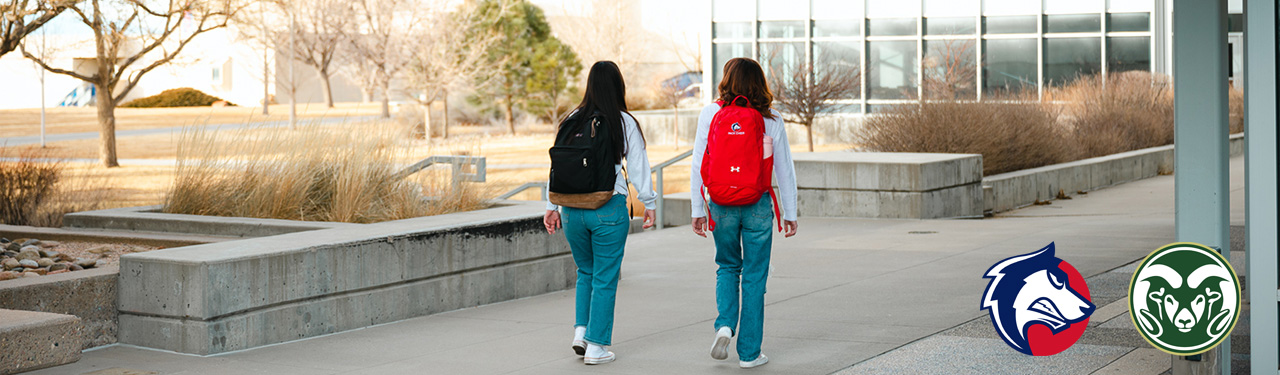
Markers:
1260,182
1201,174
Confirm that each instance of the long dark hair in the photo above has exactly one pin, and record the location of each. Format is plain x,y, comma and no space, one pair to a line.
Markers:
743,77
607,94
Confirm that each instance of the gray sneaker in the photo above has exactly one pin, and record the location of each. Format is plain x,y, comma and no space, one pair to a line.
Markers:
720,348
756,363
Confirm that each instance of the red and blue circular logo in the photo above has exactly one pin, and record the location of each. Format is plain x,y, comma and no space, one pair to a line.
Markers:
1039,304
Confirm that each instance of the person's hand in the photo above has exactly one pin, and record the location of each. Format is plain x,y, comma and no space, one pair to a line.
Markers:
649,217
790,226
699,225
551,220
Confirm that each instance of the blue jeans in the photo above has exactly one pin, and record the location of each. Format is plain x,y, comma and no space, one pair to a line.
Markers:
597,238
744,240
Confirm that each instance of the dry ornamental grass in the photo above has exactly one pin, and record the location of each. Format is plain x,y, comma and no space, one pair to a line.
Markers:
343,174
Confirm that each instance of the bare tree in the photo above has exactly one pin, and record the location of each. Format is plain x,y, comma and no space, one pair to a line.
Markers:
609,31
381,44
125,34
19,18
804,91
323,28
443,60
950,70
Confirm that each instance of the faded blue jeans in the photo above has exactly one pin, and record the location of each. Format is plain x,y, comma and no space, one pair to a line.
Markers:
597,238
744,241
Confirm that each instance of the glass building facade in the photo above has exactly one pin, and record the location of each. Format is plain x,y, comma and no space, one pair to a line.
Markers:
906,50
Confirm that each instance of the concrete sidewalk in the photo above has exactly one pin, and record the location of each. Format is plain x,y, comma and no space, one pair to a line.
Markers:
844,292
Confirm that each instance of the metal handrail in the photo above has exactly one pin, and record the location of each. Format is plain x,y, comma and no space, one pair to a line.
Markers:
457,162
542,187
657,182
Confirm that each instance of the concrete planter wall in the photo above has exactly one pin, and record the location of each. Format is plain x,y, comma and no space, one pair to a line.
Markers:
150,219
1007,191
234,295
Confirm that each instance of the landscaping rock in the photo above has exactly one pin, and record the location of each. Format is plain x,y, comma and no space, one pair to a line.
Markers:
18,270
31,254
44,262
100,249
30,274
9,275
59,267
86,263
48,253
28,263
49,243
65,258
58,272
39,271
10,264
30,242
74,267
10,254
4,240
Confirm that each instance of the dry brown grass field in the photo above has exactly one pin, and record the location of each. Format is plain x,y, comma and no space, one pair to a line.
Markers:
59,120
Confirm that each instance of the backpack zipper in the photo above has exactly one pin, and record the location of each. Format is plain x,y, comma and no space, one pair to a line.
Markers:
584,162
593,135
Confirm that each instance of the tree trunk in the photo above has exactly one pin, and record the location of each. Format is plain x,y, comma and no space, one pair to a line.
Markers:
511,118
107,129
675,130
266,84
810,128
426,120
324,86
366,95
386,100
445,128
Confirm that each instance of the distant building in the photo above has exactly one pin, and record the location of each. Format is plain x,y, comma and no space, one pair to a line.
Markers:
900,49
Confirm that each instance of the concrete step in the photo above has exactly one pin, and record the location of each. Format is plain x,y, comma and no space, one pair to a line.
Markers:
160,239
35,340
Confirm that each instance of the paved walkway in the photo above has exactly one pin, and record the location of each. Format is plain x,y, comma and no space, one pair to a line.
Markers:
896,296
50,138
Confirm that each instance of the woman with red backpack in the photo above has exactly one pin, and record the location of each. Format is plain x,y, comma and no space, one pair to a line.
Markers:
587,178
740,146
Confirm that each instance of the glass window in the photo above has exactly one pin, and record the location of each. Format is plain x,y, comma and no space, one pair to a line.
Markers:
1235,23
837,9
1009,25
843,59
950,8
1130,5
949,69
1073,23
827,28
892,70
1008,66
1129,22
949,25
781,29
891,26
783,10
882,108
732,30
1128,53
893,8
1068,58
1072,6
734,10
725,51
1010,7
781,59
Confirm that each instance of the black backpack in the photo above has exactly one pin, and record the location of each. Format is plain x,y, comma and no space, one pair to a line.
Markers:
582,162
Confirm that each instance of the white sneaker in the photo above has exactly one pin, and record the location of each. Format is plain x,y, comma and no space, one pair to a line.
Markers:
756,363
597,355
720,348
579,346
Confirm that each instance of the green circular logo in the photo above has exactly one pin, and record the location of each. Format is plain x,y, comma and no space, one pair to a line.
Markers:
1184,298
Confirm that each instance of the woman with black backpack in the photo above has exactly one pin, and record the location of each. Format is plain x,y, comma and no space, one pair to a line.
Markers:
587,178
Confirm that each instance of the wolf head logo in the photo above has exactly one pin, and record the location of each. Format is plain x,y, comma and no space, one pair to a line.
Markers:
1031,289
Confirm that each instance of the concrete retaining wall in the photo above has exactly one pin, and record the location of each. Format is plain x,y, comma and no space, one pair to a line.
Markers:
150,219
233,295
1011,190
875,185
89,295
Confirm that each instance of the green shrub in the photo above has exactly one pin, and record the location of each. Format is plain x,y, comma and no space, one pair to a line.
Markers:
179,97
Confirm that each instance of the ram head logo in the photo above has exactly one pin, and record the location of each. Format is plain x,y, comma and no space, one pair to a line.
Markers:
1032,289
1184,299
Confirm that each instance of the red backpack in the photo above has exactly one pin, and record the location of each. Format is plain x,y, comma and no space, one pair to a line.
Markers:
734,169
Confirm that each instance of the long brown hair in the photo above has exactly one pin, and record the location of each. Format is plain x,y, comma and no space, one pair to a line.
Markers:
743,77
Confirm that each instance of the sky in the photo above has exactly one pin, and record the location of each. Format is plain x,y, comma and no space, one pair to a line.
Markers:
679,19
